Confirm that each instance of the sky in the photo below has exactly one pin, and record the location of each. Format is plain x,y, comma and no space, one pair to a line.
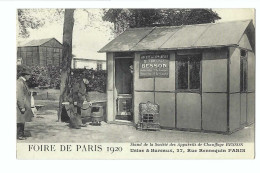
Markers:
228,14
90,33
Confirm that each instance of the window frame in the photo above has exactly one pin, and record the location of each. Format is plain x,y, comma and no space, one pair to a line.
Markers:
99,66
189,57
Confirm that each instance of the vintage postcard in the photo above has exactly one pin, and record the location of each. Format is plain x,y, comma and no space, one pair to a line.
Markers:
135,83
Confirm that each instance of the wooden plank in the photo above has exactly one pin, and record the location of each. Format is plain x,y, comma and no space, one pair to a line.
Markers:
251,72
214,74
234,111
35,57
166,102
234,69
243,108
214,112
250,108
110,72
244,42
110,106
188,111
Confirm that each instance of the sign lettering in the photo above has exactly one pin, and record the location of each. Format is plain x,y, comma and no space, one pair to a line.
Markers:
154,66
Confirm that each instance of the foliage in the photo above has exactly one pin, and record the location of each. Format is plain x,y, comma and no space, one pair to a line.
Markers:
26,21
42,76
125,18
97,79
36,18
49,77
54,74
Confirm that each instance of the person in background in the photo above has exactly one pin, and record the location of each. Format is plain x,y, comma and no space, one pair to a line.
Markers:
34,110
23,104
77,96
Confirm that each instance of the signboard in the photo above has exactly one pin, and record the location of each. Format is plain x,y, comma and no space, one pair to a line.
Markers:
154,66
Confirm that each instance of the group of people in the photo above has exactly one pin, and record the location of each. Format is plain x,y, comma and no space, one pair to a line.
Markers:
78,94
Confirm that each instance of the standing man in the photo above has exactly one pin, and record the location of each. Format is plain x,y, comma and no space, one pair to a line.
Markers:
23,105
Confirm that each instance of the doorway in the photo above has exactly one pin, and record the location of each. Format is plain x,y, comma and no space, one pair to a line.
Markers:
124,89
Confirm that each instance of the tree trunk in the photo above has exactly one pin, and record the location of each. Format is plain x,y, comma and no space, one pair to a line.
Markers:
66,57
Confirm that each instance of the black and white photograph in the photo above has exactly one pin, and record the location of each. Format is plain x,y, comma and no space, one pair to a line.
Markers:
139,83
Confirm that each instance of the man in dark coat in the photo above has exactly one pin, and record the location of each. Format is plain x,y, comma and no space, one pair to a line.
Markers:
77,96
23,105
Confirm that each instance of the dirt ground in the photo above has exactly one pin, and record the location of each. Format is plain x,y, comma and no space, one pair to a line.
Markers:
45,128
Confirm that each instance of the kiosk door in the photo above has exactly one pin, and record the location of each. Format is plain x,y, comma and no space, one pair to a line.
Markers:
124,88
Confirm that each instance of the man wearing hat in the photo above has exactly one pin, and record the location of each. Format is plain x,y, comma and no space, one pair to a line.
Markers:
23,105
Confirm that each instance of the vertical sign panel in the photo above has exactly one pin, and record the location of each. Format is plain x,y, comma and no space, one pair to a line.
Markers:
154,66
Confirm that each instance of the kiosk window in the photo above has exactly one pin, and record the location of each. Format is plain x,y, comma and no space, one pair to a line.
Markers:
243,71
188,72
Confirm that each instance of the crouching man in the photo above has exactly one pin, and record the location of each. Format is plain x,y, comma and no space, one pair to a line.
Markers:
77,96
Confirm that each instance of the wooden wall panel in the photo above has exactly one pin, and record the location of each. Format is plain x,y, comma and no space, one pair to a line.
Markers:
251,108
49,56
42,54
167,108
110,87
189,110
52,43
29,58
29,49
56,56
141,97
23,54
234,111
141,84
234,69
19,52
110,72
110,106
167,84
244,42
251,72
60,53
214,112
214,71
35,57
243,108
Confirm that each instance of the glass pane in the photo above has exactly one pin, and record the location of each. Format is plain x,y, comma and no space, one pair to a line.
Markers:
241,74
182,66
194,73
242,53
245,74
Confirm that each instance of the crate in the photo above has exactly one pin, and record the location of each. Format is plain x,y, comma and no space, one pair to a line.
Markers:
149,116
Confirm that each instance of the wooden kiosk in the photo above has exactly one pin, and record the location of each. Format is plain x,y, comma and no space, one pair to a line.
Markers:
202,76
